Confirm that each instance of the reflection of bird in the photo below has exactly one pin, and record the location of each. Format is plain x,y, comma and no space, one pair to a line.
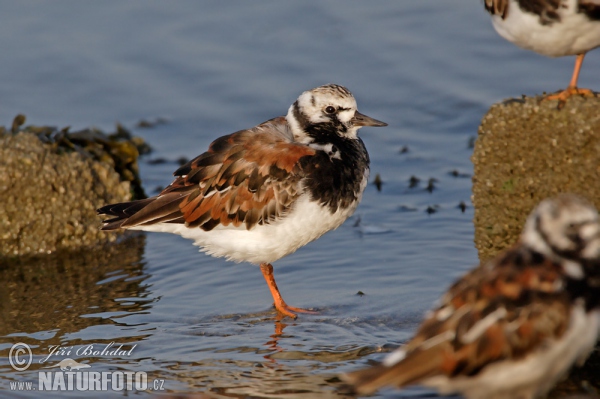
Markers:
515,325
553,28
68,364
258,195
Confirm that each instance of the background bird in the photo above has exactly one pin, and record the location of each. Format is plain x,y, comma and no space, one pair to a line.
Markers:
512,327
259,194
554,28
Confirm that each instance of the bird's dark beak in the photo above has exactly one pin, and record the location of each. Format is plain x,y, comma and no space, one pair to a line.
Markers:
364,120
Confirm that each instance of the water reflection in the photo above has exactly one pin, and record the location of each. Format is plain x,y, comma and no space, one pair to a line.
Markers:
62,298
273,344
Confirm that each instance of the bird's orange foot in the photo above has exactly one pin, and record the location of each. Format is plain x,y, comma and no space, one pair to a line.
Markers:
279,303
290,311
564,95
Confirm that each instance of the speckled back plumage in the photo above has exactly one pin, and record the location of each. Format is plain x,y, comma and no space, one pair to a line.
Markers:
513,326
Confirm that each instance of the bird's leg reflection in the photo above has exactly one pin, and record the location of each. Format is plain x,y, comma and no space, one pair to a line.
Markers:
273,343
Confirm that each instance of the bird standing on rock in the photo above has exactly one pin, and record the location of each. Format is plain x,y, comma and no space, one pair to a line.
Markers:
259,194
554,28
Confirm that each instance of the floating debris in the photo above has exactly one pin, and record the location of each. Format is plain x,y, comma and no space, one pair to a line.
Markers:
145,124
456,173
471,142
403,150
378,182
462,206
431,184
432,209
413,182
360,293
156,161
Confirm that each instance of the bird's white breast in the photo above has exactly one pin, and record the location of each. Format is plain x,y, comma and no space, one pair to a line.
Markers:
573,34
305,222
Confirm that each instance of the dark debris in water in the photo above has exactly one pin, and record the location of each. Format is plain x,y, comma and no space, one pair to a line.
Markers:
157,161
413,182
431,184
456,173
146,124
471,142
431,209
377,182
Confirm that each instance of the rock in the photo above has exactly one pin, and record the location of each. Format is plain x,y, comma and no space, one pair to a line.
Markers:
52,182
526,151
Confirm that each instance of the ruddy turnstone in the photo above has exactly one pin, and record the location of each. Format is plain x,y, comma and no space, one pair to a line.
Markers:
554,28
259,194
513,326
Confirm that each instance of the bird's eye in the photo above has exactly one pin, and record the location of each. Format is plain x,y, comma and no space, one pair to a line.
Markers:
330,110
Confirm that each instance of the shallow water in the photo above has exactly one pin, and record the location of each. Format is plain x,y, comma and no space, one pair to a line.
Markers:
428,68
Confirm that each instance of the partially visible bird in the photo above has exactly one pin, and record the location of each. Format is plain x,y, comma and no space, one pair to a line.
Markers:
554,28
514,326
259,194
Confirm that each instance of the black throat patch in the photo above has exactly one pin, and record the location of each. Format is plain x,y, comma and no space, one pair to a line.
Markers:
335,181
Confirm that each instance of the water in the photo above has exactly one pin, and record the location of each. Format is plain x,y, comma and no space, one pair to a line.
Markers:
430,69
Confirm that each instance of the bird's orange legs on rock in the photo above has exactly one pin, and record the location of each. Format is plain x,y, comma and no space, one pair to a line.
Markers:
572,89
279,303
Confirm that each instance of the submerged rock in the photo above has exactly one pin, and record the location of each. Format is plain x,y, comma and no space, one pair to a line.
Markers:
528,150
52,182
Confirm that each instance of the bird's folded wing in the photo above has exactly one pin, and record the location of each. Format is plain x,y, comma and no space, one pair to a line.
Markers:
486,317
249,177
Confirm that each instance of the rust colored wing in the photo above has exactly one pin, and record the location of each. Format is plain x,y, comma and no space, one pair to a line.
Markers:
249,177
500,311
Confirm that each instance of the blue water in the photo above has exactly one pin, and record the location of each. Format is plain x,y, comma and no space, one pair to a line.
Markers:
429,69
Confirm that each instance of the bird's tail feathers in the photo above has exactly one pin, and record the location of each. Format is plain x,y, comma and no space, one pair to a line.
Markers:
417,366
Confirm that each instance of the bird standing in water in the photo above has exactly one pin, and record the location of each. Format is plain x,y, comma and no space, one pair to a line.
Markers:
259,194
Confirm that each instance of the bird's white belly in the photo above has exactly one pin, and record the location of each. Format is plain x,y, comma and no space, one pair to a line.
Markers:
574,34
266,243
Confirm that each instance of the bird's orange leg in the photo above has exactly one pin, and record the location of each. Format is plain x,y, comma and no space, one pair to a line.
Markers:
279,303
572,89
